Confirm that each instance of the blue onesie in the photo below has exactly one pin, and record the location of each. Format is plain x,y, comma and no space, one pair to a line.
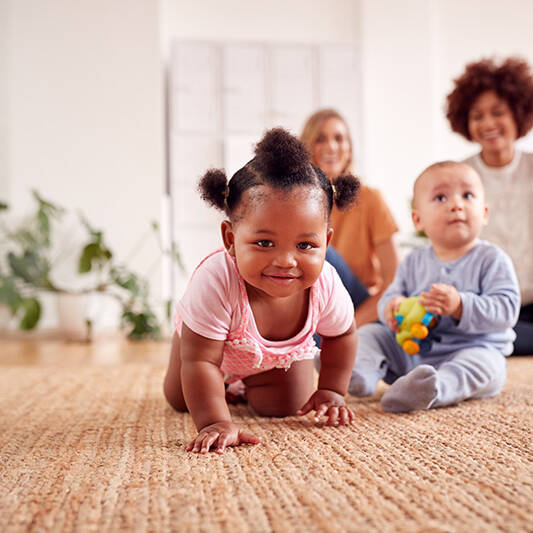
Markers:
467,358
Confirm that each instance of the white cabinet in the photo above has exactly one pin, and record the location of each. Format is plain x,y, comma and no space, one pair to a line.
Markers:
243,102
339,79
222,97
194,89
292,86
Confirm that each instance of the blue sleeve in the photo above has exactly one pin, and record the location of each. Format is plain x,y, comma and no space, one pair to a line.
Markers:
497,306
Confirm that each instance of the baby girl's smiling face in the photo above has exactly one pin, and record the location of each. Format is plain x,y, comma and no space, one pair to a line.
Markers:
280,239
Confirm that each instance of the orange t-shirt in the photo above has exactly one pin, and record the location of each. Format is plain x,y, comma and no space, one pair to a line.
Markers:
359,230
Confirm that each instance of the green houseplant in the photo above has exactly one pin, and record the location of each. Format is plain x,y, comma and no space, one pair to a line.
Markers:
26,264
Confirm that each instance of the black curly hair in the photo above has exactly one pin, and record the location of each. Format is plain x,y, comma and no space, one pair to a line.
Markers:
511,80
281,162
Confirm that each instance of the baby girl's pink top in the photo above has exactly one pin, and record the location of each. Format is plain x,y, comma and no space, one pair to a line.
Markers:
215,305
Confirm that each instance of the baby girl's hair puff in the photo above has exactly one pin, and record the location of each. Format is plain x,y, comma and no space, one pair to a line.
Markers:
282,162
213,188
281,156
346,191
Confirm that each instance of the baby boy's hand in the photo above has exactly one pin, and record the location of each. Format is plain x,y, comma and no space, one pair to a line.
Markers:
329,403
218,436
443,299
389,312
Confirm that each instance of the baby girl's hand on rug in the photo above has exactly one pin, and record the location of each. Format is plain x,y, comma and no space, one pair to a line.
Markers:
390,308
329,403
220,435
443,299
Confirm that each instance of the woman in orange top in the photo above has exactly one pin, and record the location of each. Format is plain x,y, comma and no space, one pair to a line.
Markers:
362,248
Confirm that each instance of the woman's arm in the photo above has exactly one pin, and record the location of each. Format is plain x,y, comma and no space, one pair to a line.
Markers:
388,257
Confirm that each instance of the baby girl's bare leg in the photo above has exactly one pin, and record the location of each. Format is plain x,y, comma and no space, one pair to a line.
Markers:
281,393
172,384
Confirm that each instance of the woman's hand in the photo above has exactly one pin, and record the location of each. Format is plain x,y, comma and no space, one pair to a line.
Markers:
392,306
329,403
219,435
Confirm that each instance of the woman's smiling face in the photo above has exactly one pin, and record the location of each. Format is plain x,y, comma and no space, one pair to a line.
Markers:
332,150
491,123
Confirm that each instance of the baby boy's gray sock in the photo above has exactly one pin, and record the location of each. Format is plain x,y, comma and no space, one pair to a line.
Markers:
416,390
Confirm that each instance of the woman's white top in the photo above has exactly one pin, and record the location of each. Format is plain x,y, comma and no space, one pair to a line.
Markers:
509,195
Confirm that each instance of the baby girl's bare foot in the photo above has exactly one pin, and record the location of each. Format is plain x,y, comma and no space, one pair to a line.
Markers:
416,390
236,392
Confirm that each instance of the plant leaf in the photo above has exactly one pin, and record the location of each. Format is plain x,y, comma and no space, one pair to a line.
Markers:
93,254
143,324
32,313
176,256
128,281
30,267
44,226
96,236
50,209
9,295
89,253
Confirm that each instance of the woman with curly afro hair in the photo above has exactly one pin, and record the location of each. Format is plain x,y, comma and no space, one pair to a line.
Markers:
492,105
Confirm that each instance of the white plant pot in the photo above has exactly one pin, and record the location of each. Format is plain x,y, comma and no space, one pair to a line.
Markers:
76,310
5,317
72,316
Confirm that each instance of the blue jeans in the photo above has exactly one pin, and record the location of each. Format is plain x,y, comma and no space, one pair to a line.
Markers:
356,288
523,345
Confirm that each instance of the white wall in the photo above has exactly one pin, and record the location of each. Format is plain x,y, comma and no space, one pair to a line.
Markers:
85,114
412,50
84,120
84,96
4,104
398,91
311,21
468,31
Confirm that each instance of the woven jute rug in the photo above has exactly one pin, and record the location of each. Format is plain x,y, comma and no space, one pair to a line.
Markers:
97,449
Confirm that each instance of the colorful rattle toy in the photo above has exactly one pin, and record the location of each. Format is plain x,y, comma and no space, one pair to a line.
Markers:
414,323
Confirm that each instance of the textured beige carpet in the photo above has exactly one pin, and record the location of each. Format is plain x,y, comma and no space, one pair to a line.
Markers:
97,449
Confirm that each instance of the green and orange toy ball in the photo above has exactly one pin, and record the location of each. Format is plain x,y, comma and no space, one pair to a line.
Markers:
414,323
